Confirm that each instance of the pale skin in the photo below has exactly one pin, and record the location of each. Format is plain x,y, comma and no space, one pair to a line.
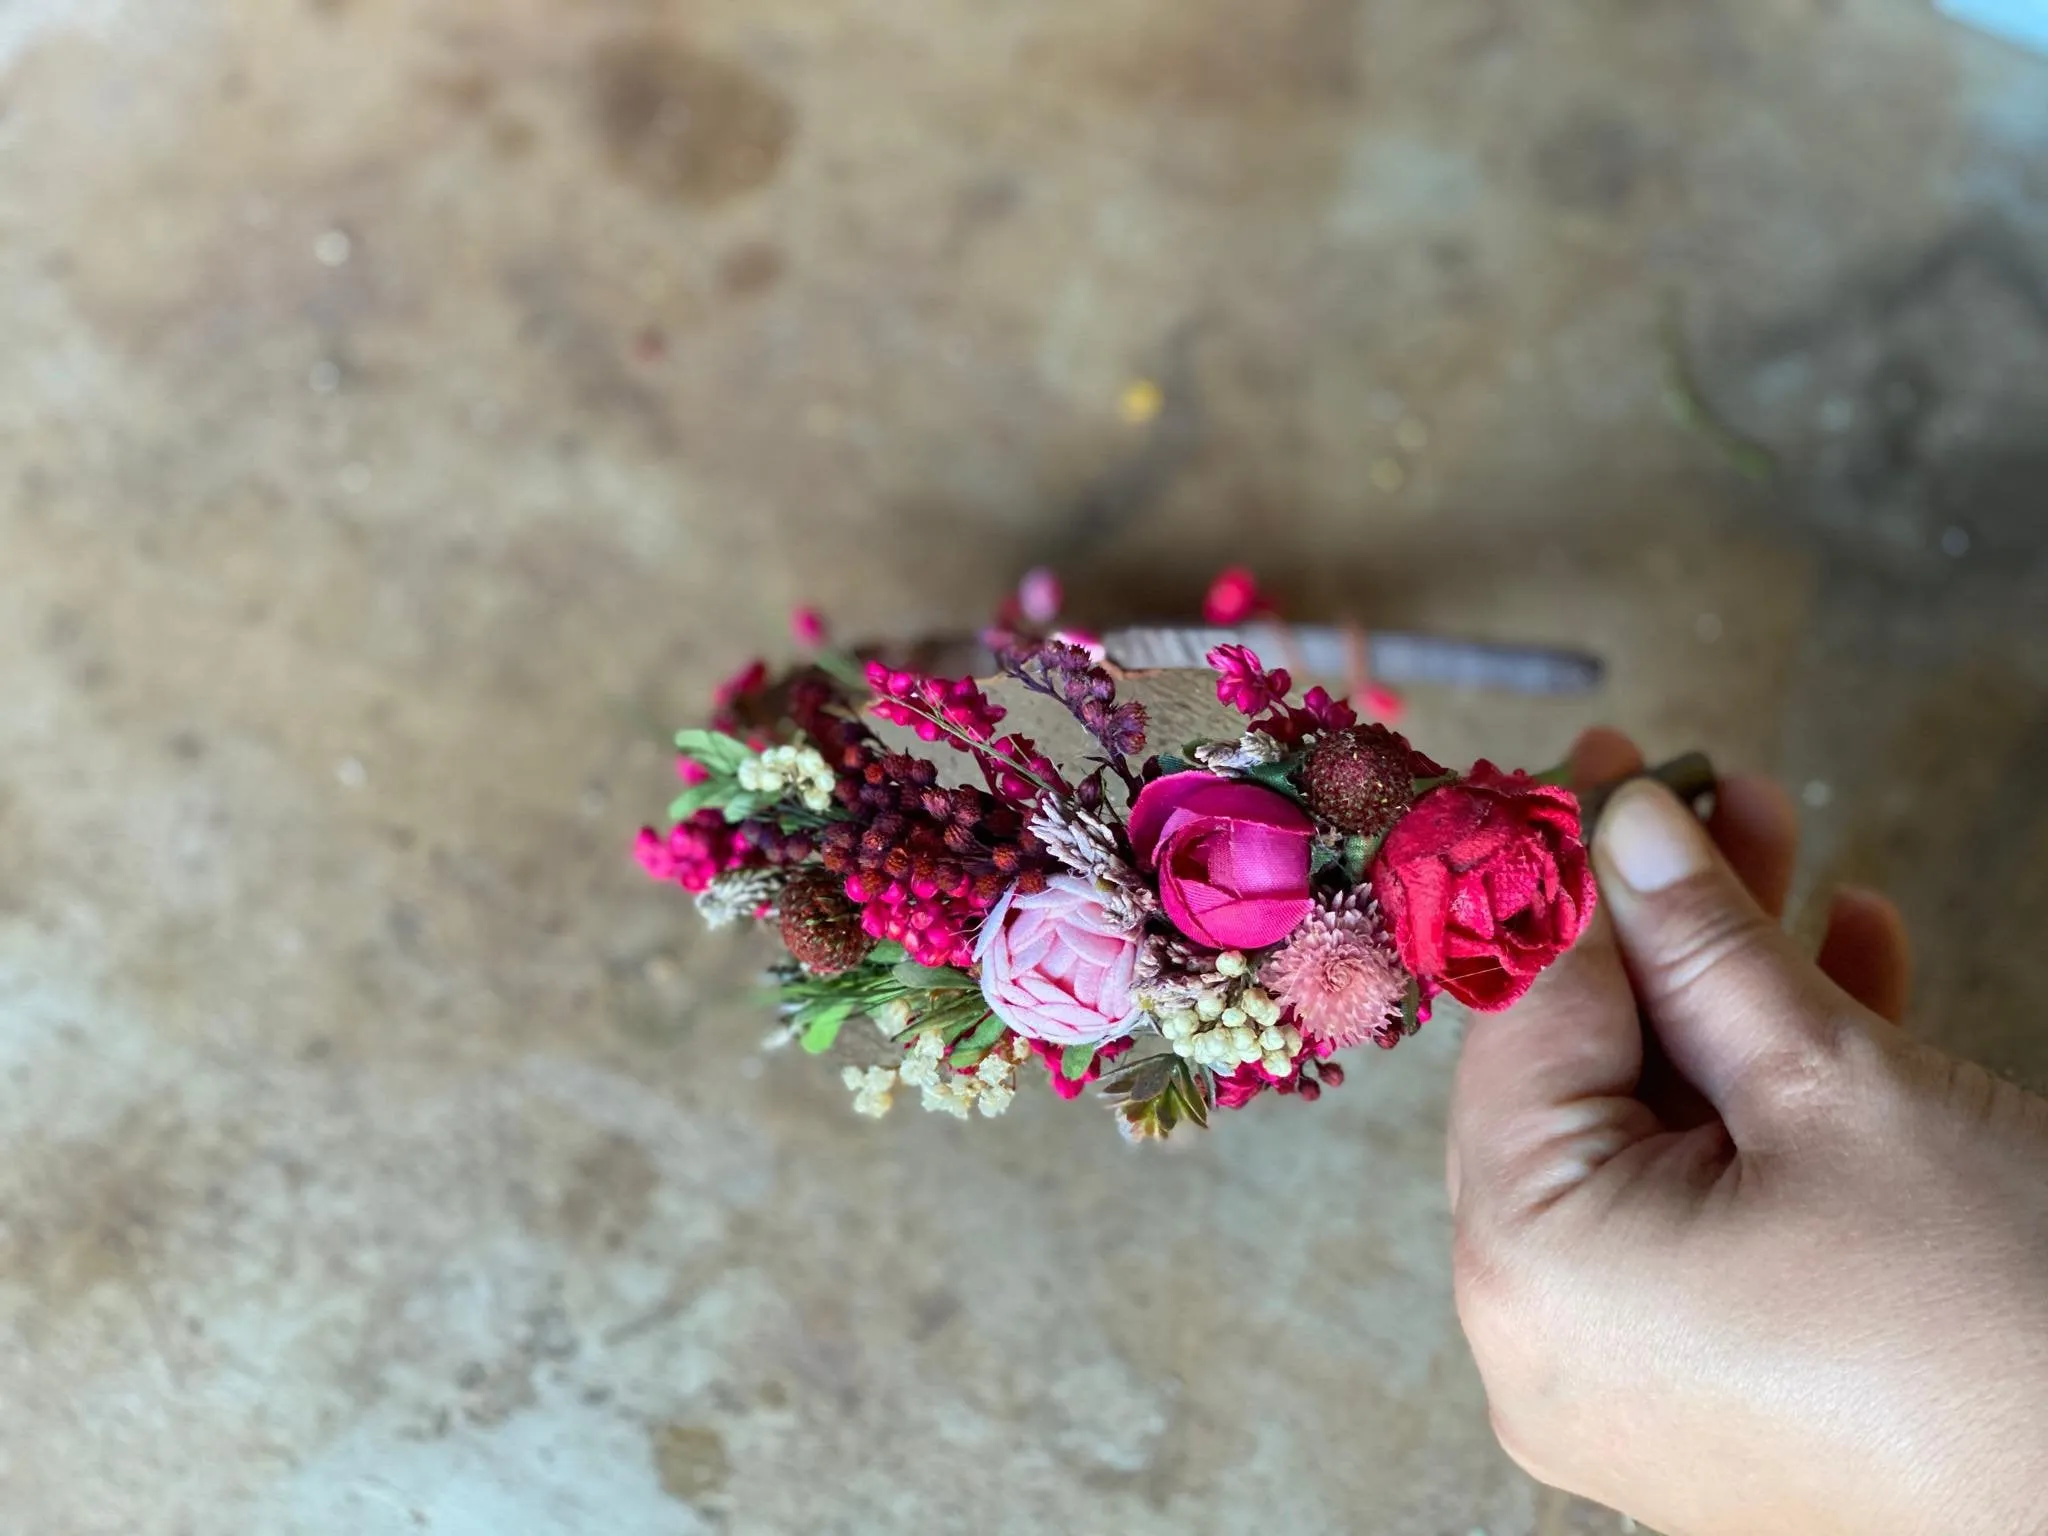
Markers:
1736,1255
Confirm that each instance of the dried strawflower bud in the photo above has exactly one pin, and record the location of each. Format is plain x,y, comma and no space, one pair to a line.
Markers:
1362,779
821,927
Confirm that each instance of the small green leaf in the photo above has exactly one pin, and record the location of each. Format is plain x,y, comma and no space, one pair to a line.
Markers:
1424,786
748,803
1322,857
990,1030
1139,1082
969,1051
1278,776
1075,1061
1168,763
1193,1094
888,952
822,1027
697,797
714,749
953,1028
1359,852
1411,1009
1559,777
933,978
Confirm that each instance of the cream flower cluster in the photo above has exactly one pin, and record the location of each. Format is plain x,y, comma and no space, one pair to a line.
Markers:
988,1089
782,769
1224,1020
874,1089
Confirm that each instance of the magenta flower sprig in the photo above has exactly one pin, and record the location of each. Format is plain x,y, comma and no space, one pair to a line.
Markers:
956,711
1243,683
1069,674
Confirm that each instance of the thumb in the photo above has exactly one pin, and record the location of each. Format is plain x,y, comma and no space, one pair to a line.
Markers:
1742,1014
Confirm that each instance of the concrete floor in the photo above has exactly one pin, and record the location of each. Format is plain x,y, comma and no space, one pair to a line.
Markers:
408,410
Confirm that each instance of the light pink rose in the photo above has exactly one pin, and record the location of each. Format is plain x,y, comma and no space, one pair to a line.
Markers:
1054,967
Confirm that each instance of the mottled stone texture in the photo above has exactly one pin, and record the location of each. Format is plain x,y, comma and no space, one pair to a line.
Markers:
409,409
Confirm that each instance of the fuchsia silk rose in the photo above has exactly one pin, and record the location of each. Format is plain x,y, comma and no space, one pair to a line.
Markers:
1483,883
1055,968
1233,859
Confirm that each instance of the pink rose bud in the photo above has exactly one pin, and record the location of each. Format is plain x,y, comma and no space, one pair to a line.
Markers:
1233,859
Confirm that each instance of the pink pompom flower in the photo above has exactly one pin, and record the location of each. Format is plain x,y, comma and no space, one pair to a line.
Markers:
1339,976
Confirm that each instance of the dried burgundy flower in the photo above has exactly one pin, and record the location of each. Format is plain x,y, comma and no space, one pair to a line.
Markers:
820,926
1064,671
1361,780
924,864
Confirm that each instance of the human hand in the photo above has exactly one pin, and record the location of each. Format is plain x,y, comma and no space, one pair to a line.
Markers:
1735,1255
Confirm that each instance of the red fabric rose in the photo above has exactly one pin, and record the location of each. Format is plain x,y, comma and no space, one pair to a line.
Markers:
1233,859
1484,883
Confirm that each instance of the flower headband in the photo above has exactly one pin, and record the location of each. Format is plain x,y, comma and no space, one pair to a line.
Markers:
1190,929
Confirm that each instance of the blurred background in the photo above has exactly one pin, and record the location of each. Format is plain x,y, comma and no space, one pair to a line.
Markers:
409,411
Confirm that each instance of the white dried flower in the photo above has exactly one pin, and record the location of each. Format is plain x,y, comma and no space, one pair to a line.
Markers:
988,1089
874,1089
1086,843
893,1017
955,1098
786,769
998,1081
740,893
1253,750
921,1063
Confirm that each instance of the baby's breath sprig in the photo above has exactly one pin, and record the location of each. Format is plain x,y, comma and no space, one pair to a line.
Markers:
790,784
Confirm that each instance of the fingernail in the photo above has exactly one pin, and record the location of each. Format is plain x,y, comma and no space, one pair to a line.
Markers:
1651,840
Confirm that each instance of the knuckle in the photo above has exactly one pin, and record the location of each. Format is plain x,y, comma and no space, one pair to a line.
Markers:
1794,1078
1702,938
1491,1292
1501,1306
1480,1281
1812,1074
1969,1092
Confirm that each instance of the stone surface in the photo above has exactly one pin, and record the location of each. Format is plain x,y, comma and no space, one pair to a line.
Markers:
409,412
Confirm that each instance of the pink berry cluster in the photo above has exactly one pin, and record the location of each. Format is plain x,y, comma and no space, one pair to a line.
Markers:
693,853
933,707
